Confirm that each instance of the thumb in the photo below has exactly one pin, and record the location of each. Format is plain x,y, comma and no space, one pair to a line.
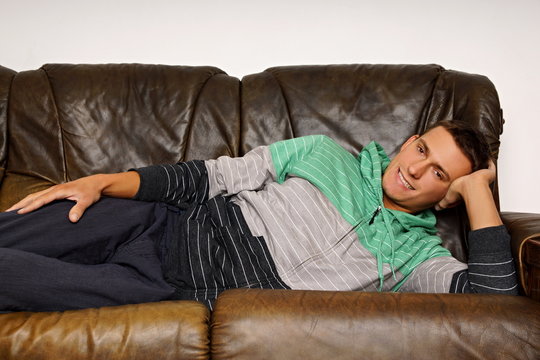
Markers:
441,205
78,210
446,203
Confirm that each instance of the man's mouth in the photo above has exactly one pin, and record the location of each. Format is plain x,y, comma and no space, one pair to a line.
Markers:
403,181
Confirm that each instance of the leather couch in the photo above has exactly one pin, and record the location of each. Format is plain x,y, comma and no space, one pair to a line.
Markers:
63,121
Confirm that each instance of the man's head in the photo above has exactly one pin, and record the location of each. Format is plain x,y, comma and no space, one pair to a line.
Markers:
421,173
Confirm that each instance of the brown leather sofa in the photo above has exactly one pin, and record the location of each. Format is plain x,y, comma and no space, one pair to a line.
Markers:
61,122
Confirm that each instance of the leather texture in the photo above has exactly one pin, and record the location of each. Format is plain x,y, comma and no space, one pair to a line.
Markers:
6,76
144,331
68,121
250,323
525,231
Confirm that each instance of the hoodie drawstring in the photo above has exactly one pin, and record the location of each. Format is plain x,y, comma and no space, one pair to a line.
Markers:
387,224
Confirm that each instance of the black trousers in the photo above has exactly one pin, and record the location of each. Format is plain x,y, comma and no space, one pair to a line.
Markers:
112,256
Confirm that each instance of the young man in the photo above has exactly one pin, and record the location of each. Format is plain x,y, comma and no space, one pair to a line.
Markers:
302,214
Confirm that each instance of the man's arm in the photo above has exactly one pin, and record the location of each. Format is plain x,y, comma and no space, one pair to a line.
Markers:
475,192
491,266
84,191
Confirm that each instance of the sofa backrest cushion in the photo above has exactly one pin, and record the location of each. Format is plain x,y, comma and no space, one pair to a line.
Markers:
69,121
355,104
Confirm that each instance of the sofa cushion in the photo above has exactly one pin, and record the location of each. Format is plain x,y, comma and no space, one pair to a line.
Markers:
292,324
355,104
166,330
68,121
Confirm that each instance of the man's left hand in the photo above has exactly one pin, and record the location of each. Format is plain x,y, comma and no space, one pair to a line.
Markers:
461,185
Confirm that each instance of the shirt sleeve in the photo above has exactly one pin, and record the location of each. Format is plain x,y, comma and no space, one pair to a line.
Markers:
181,184
186,183
490,268
229,176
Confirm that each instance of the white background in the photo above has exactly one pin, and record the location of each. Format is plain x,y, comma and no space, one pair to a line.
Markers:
496,38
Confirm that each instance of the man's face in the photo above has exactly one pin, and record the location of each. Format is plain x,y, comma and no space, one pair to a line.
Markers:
421,173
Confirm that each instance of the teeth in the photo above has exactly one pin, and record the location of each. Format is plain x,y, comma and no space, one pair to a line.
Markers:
405,181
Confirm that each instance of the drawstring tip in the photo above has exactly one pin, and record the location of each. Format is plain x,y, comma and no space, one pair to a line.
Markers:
377,211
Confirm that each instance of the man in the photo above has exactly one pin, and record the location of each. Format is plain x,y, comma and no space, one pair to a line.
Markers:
302,214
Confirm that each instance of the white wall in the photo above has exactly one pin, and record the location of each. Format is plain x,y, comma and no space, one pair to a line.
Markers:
497,38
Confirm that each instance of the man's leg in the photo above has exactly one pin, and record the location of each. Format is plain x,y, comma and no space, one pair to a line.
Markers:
32,282
110,257
94,239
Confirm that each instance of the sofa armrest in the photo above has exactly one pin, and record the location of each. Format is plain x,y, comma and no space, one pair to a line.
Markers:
524,228
165,330
6,77
294,324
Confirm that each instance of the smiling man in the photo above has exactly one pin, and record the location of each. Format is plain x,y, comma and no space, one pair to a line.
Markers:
301,213
420,175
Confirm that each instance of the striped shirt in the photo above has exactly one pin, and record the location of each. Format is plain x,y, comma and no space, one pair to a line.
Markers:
242,228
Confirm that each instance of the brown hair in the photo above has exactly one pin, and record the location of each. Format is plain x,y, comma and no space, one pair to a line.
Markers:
472,142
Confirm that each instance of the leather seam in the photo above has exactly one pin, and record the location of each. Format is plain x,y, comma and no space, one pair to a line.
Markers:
428,108
7,134
522,264
59,122
289,117
189,130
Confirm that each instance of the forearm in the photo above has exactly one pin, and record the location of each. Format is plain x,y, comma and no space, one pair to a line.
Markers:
481,208
121,185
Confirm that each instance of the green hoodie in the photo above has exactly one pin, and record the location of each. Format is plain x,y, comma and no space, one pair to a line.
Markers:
394,237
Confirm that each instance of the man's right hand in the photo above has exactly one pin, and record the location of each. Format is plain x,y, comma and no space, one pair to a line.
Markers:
84,191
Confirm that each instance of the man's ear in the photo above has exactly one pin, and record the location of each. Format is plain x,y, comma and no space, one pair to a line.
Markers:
409,141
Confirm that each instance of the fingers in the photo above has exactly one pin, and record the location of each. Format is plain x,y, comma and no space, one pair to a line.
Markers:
84,192
31,202
443,204
451,199
490,173
491,165
35,201
18,205
78,210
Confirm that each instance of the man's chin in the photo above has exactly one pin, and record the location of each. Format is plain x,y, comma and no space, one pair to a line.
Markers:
392,204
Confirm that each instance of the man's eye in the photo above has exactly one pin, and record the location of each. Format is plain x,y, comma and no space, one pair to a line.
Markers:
438,174
420,149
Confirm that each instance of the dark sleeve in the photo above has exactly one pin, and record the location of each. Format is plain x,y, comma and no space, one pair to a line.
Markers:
491,266
181,184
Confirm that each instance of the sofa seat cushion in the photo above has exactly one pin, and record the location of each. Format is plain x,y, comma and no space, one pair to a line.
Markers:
292,324
165,330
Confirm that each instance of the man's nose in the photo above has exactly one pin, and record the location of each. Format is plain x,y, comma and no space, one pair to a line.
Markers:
417,169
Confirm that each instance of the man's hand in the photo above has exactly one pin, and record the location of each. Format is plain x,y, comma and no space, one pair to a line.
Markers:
84,191
474,190
455,193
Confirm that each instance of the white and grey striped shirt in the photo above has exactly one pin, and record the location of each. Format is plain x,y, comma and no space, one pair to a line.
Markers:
301,236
